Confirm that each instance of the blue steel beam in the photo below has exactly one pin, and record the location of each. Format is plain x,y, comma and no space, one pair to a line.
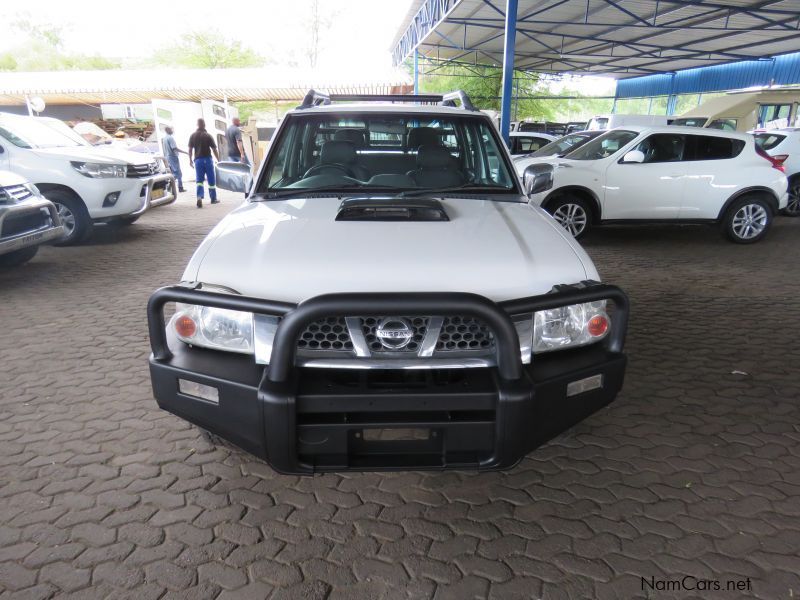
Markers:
508,68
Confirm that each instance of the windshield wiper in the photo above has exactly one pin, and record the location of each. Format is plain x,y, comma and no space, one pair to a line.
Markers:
333,190
457,188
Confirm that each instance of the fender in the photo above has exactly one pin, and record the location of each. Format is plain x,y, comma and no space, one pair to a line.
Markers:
773,201
584,191
45,187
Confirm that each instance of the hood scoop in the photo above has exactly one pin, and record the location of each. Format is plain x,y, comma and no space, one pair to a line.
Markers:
395,209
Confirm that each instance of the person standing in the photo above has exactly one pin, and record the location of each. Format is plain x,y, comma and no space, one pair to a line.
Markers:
201,145
171,151
233,137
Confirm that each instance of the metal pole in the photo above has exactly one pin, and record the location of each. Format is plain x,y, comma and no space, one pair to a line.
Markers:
28,104
508,67
416,71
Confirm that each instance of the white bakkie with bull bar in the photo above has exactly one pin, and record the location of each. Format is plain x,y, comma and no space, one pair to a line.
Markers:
387,298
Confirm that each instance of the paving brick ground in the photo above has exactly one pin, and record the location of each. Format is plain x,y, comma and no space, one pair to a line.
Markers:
694,471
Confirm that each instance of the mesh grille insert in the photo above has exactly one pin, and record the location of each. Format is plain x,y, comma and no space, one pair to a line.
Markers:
326,334
464,333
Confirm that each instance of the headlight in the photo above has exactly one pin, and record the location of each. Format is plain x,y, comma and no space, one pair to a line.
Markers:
99,170
216,328
570,326
4,196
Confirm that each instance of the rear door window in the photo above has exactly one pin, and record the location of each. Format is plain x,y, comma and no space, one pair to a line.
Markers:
706,147
723,124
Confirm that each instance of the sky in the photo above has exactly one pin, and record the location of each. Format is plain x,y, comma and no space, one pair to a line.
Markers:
357,36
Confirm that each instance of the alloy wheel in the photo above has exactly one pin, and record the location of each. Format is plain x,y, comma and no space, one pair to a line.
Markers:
749,221
67,217
571,217
793,207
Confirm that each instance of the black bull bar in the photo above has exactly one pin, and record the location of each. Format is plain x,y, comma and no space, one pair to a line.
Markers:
278,388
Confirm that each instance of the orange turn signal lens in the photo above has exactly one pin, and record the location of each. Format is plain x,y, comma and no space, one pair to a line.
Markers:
597,325
185,326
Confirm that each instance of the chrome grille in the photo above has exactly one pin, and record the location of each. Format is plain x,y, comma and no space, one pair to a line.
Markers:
419,326
326,334
17,192
464,334
140,171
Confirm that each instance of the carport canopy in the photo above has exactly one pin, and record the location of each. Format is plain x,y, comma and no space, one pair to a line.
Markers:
618,38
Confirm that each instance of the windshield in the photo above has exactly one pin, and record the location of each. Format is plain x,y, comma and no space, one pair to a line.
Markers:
603,146
36,132
690,122
562,145
92,133
387,151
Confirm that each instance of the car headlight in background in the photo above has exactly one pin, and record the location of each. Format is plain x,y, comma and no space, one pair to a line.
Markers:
570,326
216,328
33,189
99,170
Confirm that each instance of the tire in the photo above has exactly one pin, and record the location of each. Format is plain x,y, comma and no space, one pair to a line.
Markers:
747,220
74,216
793,208
18,257
572,213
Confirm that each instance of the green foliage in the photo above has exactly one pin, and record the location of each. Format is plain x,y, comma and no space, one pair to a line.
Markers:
483,84
267,110
208,50
43,52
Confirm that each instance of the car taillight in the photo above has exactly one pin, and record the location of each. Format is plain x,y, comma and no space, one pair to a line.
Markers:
775,161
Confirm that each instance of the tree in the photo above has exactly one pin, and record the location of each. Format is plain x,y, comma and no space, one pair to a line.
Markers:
44,52
208,50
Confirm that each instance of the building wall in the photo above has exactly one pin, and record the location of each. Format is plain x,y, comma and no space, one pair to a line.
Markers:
65,112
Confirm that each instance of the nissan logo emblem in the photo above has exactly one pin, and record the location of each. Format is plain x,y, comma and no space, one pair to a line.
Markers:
394,333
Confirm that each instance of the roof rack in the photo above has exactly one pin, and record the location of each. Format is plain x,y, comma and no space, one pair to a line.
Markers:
314,98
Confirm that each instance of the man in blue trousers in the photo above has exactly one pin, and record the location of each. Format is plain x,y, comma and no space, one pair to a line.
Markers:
201,145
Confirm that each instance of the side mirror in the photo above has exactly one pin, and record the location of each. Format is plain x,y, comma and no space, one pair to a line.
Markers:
537,178
234,176
634,156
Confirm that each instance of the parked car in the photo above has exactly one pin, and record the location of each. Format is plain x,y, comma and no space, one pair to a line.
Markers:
783,145
667,173
603,122
524,143
556,149
548,127
87,184
575,127
27,220
378,301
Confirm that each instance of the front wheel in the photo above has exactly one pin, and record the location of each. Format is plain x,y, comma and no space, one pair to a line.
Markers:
793,207
573,214
18,257
747,220
74,216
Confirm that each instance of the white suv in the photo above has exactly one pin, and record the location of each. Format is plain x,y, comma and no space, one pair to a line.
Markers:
386,298
88,184
636,174
783,147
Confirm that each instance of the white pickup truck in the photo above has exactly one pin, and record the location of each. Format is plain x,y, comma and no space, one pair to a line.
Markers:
87,184
387,298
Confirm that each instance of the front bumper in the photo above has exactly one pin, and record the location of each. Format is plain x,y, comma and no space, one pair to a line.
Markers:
137,196
304,420
50,230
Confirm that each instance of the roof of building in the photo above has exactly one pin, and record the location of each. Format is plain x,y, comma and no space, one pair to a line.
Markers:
137,86
621,38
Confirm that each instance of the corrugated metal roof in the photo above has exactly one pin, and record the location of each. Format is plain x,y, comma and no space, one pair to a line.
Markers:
621,38
133,86
780,70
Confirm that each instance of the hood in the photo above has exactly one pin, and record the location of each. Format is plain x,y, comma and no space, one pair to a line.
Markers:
8,178
100,154
292,250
